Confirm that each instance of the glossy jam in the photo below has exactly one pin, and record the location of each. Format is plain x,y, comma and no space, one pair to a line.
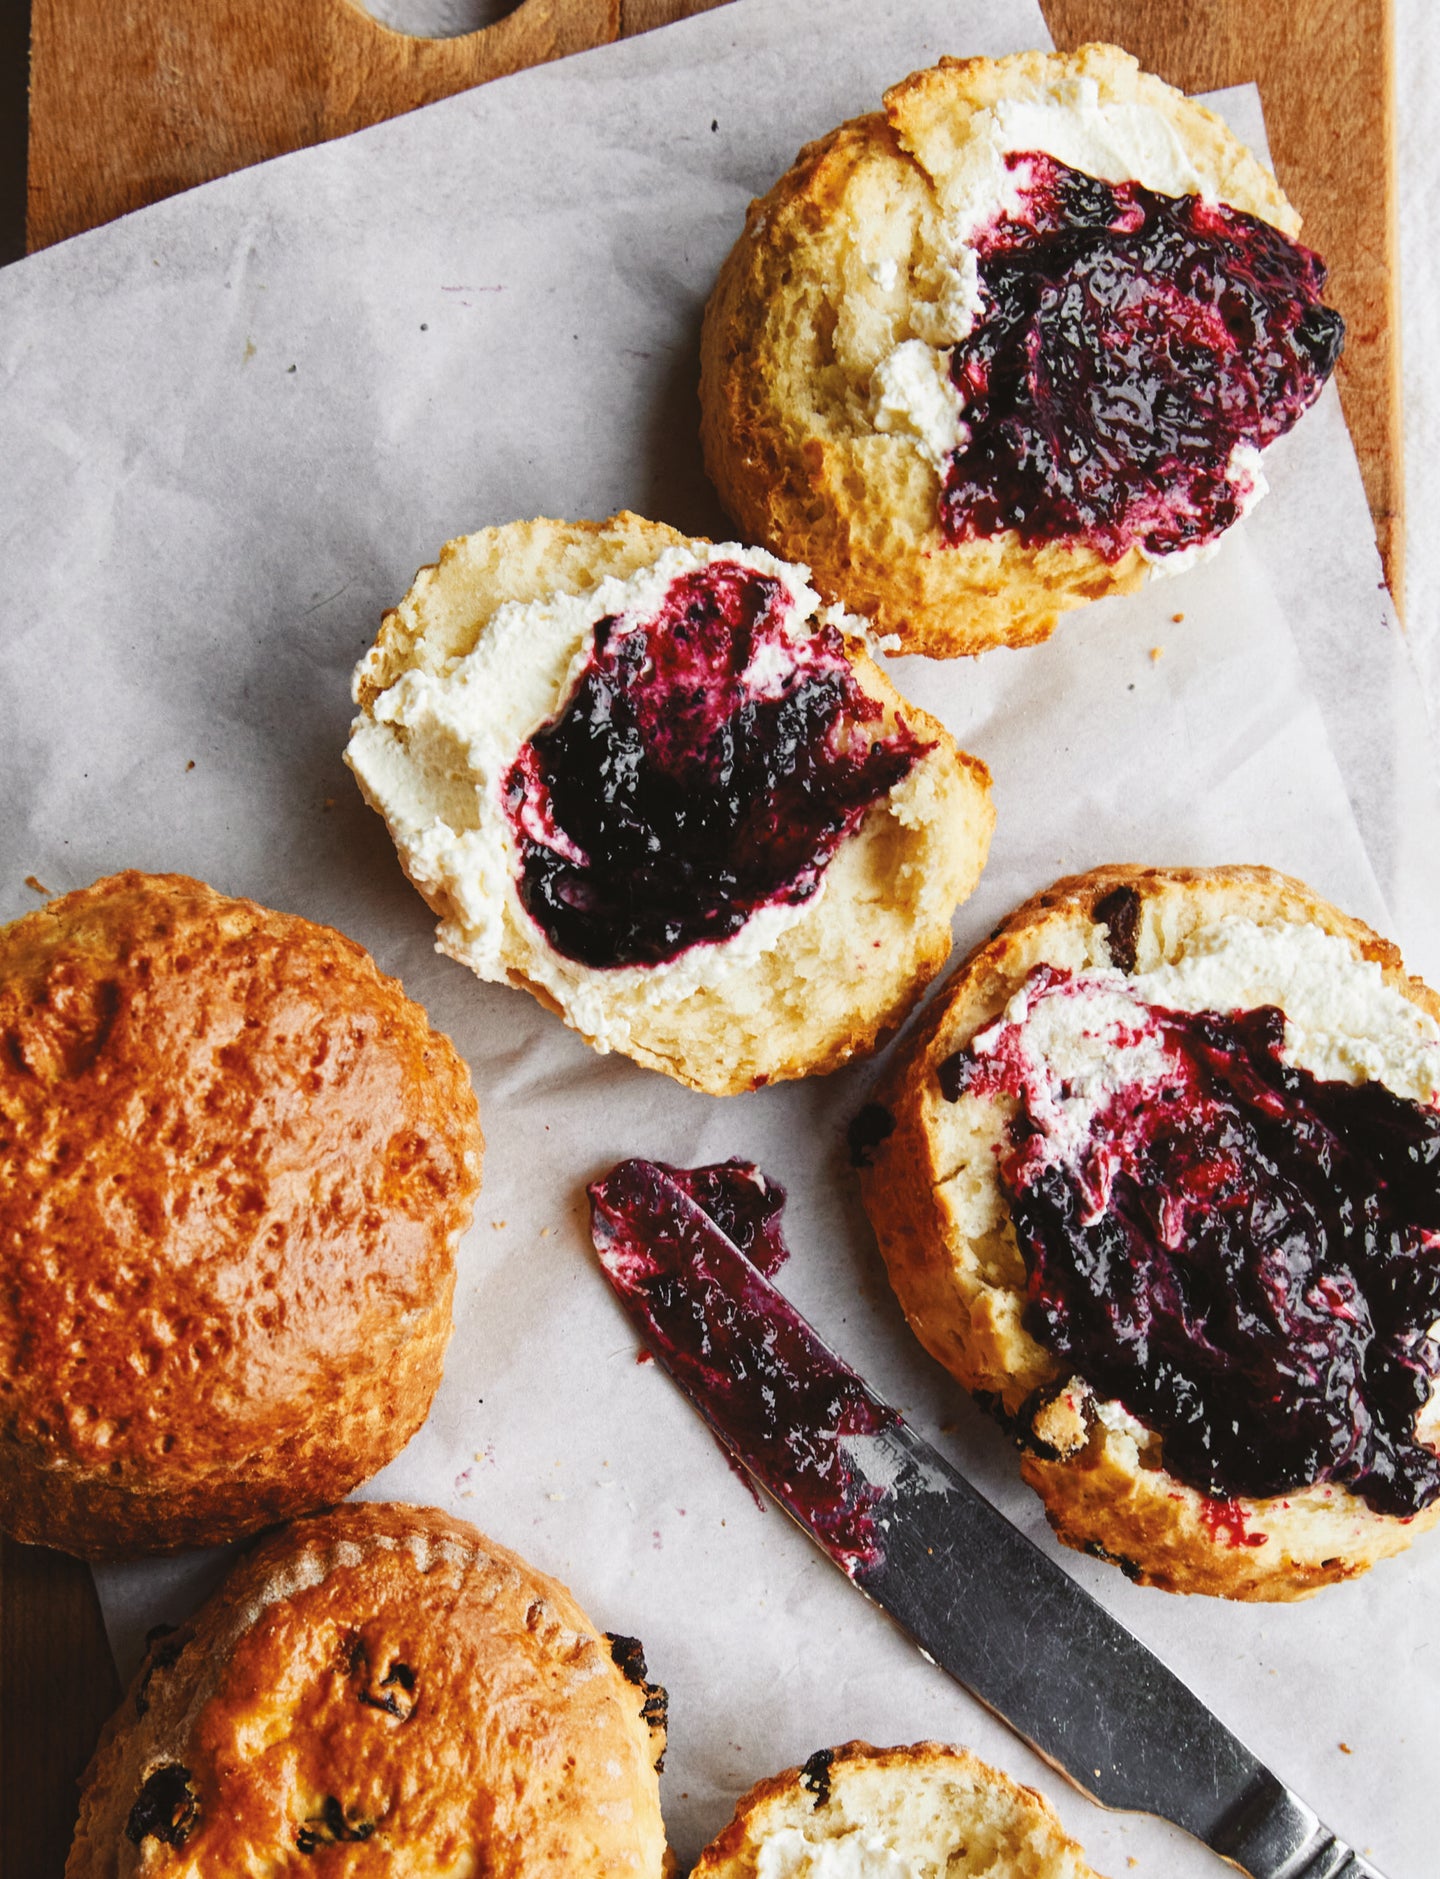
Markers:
1245,1257
783,1401
704,767
1129,342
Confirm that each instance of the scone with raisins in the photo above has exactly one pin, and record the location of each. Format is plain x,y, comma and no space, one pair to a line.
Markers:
381,1689
857,1810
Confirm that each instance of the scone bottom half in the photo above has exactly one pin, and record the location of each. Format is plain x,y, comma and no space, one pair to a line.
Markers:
1163,1191
1014,343
238,1162
658,784
924,1809
381,1678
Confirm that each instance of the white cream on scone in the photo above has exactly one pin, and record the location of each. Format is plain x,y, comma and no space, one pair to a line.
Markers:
911,391
433,757
788,1854
1343,1023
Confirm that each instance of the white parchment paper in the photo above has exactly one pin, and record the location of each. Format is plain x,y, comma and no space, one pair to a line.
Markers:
233,425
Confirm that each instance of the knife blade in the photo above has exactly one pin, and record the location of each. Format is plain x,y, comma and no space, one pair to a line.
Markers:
978,1597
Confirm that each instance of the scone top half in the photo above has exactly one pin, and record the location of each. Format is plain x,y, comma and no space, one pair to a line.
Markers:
1163,1189
381,1689
237,1164
656,783
925,1811
1008,346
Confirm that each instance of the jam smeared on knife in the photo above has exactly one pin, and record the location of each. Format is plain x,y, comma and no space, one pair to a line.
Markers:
1129,343
1246,1257
697,1292
706,765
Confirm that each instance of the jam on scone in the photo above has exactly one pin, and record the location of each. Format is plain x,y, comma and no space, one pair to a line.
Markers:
1244,1255
1134,352
709,761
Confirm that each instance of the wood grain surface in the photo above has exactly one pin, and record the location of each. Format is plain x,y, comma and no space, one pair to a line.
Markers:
132,102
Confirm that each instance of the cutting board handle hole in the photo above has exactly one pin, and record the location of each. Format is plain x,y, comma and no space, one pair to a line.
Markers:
438,19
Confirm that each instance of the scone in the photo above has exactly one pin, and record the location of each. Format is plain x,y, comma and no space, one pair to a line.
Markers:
237,1162
925,1812
381,1678
1163,1189
655,783
1013,343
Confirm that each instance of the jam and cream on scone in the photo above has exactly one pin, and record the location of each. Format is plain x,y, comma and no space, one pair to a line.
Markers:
237,1165
656,783
1163,1188
381,1689
1016,342
857,1812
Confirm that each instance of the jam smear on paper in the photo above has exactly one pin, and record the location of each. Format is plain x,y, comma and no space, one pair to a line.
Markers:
706,765
1128,343
775,1395
1245,1256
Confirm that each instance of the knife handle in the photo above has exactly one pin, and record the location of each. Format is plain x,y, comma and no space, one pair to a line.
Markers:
1272,1834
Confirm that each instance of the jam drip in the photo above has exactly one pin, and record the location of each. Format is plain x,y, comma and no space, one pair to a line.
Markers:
1129,342
1244,1256
772,1391
677,793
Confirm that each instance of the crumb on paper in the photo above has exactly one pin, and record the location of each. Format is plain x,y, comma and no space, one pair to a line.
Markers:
1157,653
37,886
249,352
190,766
1345,1749
1176,618
497,1224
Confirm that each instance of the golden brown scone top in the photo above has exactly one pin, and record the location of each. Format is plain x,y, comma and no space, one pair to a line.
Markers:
941,1809
940,1215
380,1690
236,1162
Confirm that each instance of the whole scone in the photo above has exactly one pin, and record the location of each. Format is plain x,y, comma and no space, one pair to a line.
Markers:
654,782
1008,345
237,1162
380,1689
1163,1189
857,1810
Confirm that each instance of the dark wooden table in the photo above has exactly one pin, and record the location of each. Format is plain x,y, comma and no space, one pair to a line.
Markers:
131,103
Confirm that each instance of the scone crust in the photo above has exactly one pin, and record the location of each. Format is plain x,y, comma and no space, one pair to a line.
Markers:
238,1161
839,980
940,1217
927,1801
796,325
509,1742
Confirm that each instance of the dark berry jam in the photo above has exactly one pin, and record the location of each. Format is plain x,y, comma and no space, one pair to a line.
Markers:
1129,342
774,1393
1244,1256
705,766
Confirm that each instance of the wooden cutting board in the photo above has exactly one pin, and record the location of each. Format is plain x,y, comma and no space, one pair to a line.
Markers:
135,101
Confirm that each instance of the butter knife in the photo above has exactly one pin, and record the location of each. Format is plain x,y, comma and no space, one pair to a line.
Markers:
978,1597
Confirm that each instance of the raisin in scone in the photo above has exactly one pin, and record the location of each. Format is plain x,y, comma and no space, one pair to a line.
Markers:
923,1812
380,1689
1014,343
237,1163
1163,1188
656,783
